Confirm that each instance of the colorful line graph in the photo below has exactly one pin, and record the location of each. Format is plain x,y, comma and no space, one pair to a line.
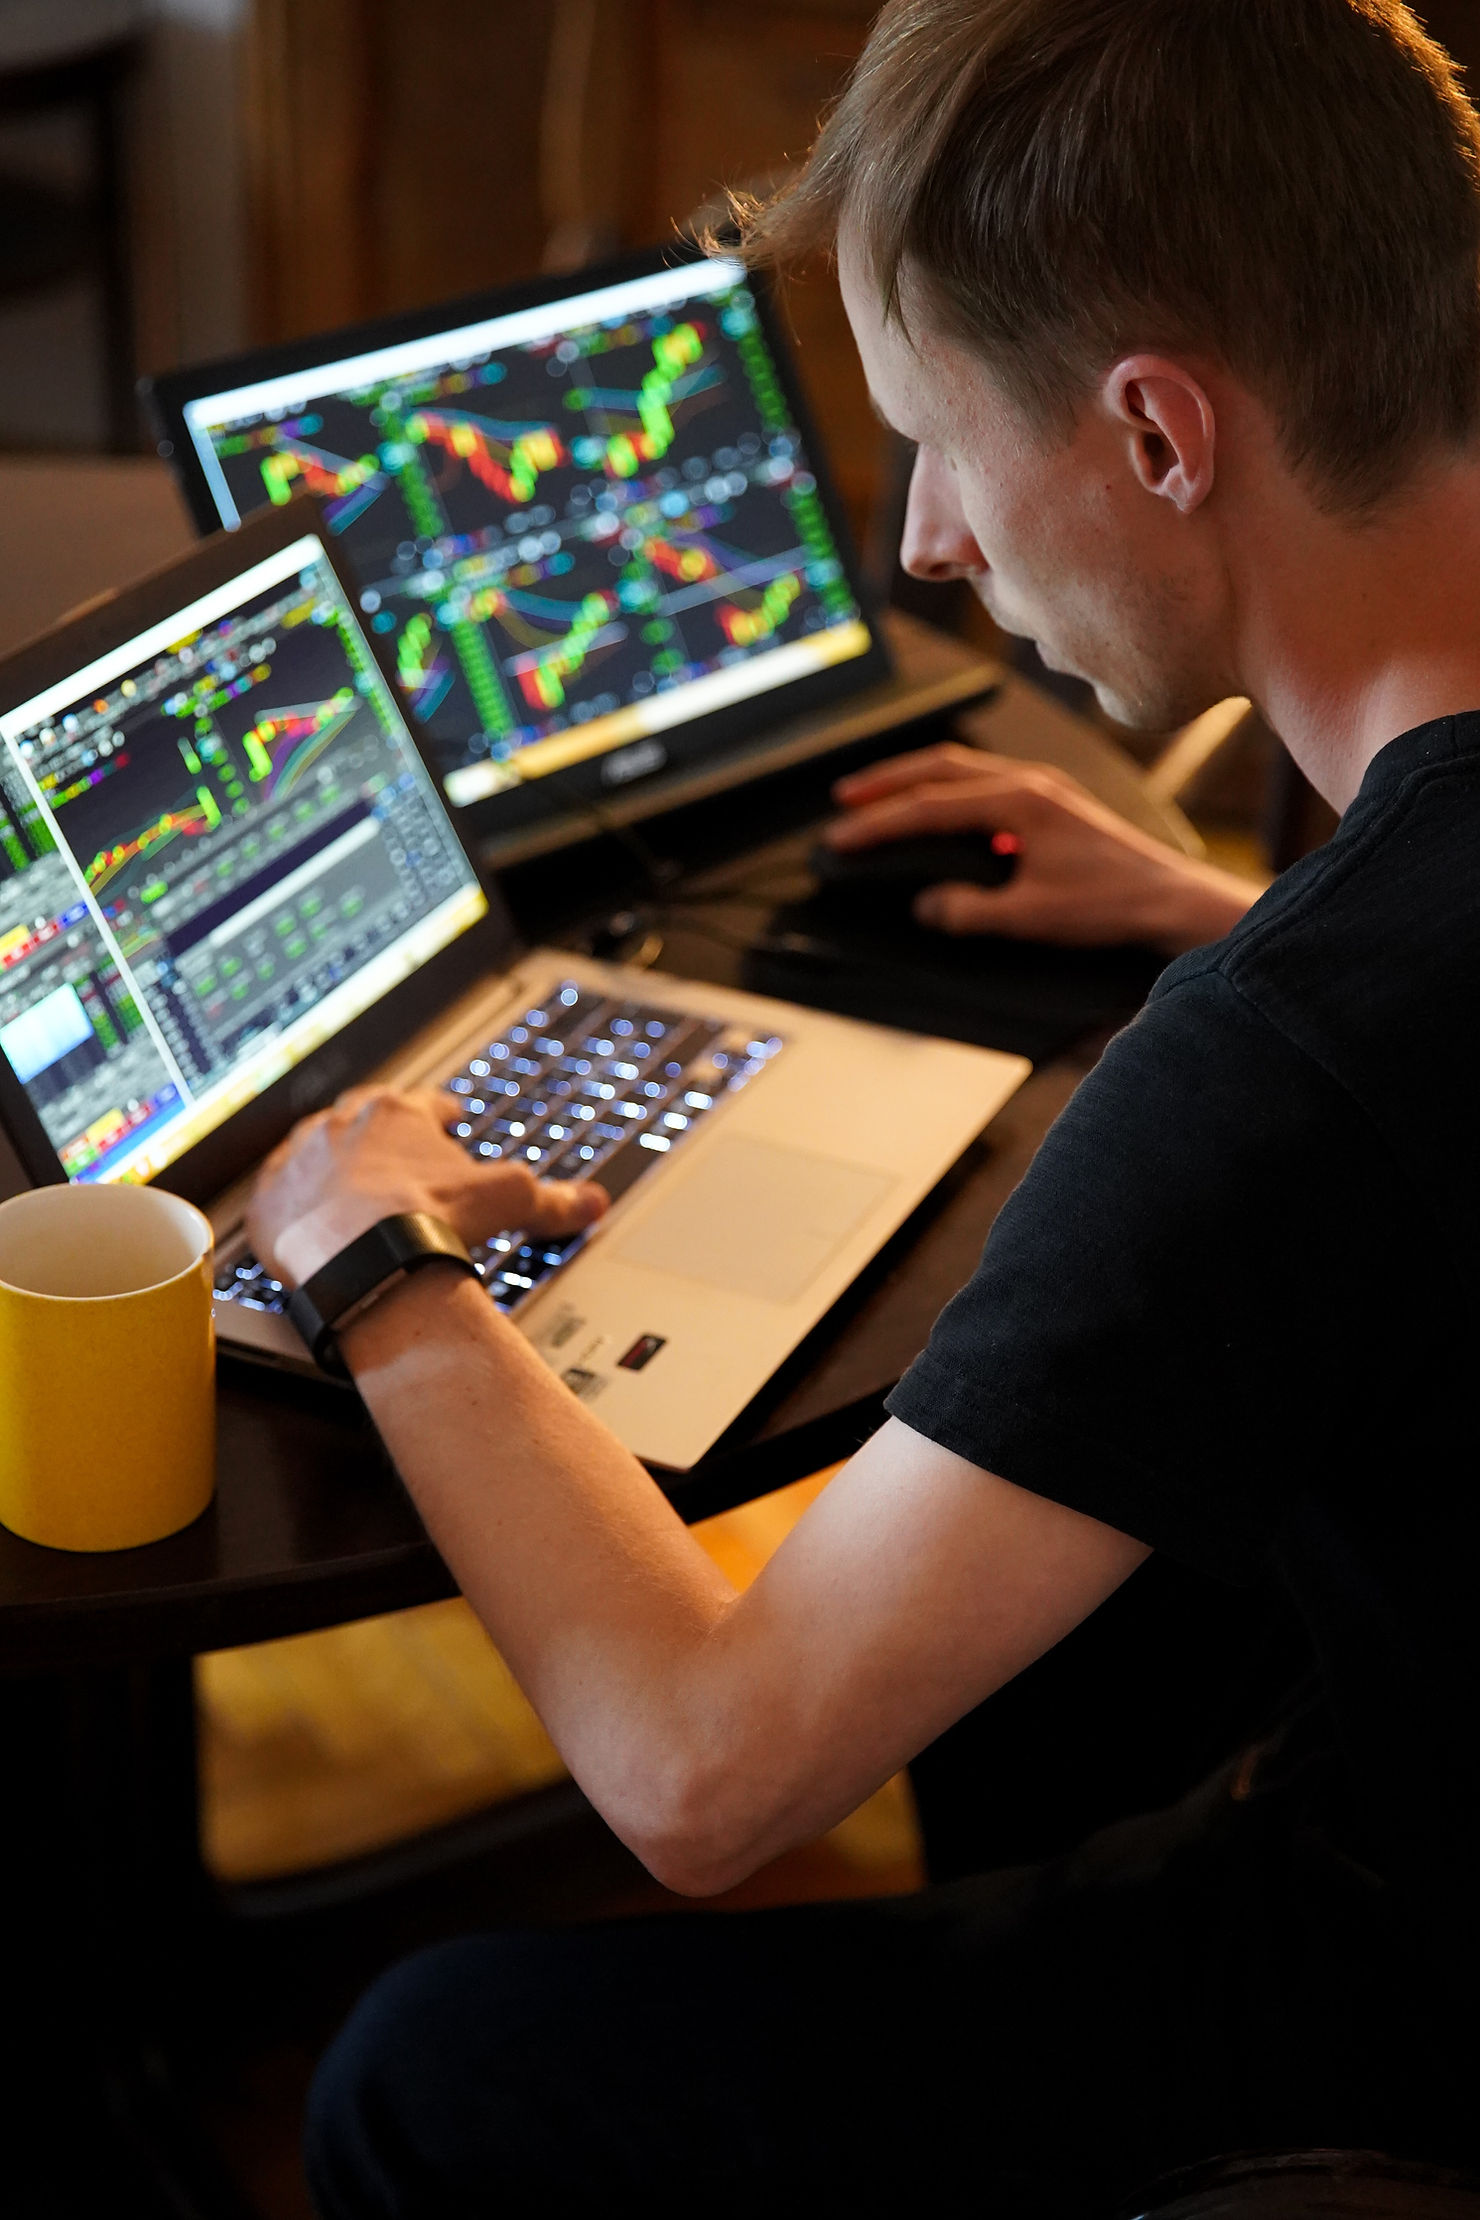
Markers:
543,670
543,683
59,796
349,487
686,560
744,627
529,618
624,453
201,815
508,459
281,746
423,673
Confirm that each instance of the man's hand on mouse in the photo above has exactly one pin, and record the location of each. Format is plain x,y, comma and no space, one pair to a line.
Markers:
1084,876
377,1153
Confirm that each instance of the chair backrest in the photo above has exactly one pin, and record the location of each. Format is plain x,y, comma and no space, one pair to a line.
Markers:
1312,2185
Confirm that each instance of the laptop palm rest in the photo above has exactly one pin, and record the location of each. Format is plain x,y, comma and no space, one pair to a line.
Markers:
754,1219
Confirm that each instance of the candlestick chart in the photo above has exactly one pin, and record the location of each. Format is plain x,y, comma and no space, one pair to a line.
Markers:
283,746
277,753
181,788
550,534
506,458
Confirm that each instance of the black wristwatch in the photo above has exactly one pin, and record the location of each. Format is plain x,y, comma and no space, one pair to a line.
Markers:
364,1269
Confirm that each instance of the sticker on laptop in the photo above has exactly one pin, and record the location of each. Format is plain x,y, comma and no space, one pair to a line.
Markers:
567,1324
642,1352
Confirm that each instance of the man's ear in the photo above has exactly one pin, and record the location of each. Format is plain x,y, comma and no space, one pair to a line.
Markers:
1169,427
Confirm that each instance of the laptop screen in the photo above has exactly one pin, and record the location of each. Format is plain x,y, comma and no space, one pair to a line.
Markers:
582,526
218,846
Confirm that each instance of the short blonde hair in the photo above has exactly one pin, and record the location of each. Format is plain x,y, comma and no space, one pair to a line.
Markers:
1292,186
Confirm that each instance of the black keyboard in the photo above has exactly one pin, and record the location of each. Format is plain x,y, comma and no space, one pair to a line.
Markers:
588,1086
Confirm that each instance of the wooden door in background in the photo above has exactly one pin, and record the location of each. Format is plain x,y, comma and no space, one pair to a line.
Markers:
398,157
717,96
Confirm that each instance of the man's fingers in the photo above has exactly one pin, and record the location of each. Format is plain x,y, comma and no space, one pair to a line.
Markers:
508,1195
1020,910
932,809
958,908
951,763
565,1206
436,1102
950,760
505,1198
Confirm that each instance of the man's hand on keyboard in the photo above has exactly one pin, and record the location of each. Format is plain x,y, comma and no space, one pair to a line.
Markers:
1084,876
377,1153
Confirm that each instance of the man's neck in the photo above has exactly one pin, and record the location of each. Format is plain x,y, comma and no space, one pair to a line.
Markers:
1354,632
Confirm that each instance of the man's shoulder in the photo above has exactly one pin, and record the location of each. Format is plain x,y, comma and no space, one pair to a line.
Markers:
1365,957
1400,862
1204,1081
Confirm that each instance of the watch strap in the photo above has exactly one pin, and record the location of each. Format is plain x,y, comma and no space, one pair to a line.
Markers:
365,1268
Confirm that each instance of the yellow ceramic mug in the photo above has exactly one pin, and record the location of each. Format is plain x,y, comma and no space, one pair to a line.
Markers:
107,1366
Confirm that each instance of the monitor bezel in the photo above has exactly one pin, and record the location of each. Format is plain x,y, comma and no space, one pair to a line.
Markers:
487,947
519,821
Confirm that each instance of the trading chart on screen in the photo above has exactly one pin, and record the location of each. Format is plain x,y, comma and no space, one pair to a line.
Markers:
214,853
573,526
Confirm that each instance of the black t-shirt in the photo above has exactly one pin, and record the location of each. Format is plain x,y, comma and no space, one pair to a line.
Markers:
1231,1310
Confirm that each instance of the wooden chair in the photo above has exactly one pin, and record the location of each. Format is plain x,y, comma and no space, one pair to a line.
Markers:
1311,2185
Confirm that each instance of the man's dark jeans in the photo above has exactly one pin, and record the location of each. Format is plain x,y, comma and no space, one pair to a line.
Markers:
1032,2044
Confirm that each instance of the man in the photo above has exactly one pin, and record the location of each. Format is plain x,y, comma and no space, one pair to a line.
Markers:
1179,300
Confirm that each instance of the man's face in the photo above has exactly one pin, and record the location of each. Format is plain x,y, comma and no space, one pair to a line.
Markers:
1060,538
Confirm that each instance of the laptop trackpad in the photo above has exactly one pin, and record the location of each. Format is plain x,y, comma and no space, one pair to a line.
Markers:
755,1219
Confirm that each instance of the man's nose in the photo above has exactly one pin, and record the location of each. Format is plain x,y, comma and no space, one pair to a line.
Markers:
937,541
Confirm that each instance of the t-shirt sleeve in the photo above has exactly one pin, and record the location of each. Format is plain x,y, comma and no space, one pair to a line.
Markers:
1171,1315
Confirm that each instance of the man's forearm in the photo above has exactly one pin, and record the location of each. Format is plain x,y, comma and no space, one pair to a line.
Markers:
712,1730
599,1598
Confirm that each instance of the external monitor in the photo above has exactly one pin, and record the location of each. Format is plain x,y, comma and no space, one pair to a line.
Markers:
588,519
221,854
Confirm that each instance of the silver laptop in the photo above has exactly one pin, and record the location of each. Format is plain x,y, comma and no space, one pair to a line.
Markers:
230,886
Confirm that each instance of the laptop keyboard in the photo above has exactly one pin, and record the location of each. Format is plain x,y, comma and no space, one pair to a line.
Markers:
586,1086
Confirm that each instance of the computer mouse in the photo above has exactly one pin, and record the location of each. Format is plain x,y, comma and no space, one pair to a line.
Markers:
898,870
